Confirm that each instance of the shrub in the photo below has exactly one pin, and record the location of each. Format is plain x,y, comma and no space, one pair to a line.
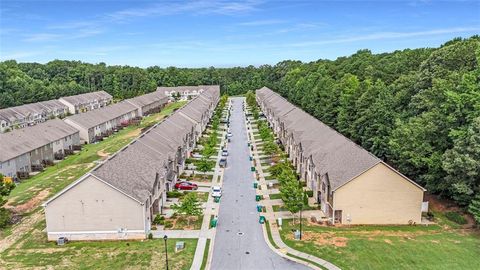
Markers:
456,217
174,194
150,236
309,193
168,224
159,220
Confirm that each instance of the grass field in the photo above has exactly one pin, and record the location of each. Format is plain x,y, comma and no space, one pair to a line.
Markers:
443,246
33,251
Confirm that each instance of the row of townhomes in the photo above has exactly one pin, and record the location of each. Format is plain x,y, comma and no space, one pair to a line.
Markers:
184,92
119,198
97,124
30,149
351,185
87,101
34,113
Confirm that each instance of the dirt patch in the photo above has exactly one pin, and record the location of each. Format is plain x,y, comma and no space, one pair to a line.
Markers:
19,230
323,239
388,241
32,203
102,154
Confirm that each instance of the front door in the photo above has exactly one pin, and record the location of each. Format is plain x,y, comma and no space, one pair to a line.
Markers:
338,216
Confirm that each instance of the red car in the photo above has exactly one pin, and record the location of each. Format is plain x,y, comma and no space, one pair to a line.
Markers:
186,186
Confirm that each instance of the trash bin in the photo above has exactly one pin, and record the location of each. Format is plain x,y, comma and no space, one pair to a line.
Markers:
261,220
213,223
250,157
258,198
259,208
216,199
252,168
255,185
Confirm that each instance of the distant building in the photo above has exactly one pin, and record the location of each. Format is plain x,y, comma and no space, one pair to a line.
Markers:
149,103
30,114
21,149
351,185
185,92
94,125
120,197
87,101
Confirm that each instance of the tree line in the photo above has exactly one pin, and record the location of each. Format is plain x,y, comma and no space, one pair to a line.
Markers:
417,109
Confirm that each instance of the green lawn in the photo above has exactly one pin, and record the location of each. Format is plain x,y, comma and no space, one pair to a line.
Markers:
389,247
205,255
33,251
275,196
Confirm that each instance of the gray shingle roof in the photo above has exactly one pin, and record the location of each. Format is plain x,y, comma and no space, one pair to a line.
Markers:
332,153
148,99
23,111
87,97
96,117
21,141
132,170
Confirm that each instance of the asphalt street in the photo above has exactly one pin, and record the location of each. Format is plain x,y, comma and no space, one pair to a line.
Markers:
239,242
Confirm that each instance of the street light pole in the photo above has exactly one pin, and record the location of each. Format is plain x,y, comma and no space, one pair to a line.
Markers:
166,255
301,208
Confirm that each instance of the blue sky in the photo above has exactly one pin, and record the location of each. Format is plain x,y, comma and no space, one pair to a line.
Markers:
224,33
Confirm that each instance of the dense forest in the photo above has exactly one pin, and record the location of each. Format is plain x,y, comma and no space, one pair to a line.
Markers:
418,109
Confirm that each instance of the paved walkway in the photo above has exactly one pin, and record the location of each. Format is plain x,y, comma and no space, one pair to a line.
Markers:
239,241
272,217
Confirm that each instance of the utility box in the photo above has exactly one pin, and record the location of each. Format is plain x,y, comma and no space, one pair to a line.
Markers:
279,222
296,235
179,246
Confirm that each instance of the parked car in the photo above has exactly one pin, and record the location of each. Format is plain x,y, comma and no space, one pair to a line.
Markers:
223,162
224,152
229,134
186,186
216,191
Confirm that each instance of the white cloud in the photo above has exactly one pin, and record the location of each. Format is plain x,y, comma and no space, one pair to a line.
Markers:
42,37
261,22
385,35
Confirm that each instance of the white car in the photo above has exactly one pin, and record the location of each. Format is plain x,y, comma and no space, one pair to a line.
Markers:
224,152
229,134
216,191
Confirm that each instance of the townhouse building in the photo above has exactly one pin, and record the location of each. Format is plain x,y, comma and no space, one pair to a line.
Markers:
351,185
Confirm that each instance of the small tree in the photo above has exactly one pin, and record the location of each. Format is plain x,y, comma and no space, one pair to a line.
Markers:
292,195
204,166
190,206
270,148
208,151
474,208
6,187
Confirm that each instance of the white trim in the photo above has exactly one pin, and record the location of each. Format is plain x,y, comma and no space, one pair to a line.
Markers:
80,180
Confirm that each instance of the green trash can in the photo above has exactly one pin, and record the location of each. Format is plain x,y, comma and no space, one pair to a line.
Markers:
261,220
252,168
216,199
258,198
255,185
250,157
213,223
259,208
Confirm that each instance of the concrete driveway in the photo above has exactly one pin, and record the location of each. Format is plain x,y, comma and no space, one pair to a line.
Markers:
239,242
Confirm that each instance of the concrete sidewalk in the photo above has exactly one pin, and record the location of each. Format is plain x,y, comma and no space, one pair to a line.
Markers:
272,216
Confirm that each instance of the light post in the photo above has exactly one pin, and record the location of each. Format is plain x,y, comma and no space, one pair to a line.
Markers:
301,208
166,255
